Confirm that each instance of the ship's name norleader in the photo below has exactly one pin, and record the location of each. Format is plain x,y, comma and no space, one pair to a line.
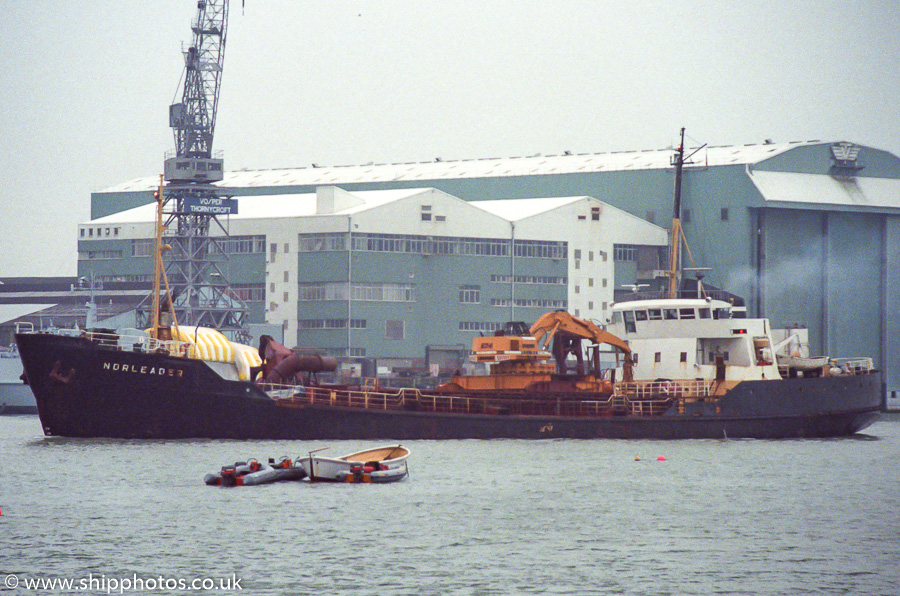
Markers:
143,370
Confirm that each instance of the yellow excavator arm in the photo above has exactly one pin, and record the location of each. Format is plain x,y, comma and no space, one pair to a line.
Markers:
550,323
571,331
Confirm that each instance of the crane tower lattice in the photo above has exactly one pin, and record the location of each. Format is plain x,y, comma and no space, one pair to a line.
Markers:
196,269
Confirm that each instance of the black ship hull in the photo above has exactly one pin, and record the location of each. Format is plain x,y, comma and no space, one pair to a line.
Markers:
85,390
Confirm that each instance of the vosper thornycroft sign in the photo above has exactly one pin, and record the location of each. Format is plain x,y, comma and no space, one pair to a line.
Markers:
210,205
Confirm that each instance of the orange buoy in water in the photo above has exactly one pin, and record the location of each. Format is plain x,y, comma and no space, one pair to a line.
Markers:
660,458
637,459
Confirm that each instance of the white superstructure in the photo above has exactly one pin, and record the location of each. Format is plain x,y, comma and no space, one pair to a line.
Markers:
693,338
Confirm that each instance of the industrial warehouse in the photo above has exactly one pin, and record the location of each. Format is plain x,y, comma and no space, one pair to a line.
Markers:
385,273
808,233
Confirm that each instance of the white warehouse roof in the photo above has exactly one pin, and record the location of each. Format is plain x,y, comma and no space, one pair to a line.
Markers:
483,168
277,206
815,189
516,209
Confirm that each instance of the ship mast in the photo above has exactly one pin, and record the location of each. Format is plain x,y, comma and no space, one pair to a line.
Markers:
677,234
159,327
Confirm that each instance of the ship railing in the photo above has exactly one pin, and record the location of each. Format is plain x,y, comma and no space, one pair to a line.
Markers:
665,389
24,327
137,343
410,399
117,341
350,398
854,366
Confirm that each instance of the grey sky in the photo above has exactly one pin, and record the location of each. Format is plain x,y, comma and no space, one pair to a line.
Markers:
86,87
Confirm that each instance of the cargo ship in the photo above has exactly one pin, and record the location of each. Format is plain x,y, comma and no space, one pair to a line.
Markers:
106,385
670,367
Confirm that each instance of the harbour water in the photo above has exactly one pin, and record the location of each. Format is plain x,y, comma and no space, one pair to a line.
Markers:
474,517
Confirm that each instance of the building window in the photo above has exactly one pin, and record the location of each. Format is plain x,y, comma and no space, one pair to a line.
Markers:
595,213
82,232
286,276
273,248
657,357
723,215
530,279
444,245
330,323
590,282
470,294
393,330
479,326
582,217
426,212
577,254
142,248
324,291
285,300
684,356
247,292
100,254
529,303
287,248
233,245
272,287
590,255
590,306
625,252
